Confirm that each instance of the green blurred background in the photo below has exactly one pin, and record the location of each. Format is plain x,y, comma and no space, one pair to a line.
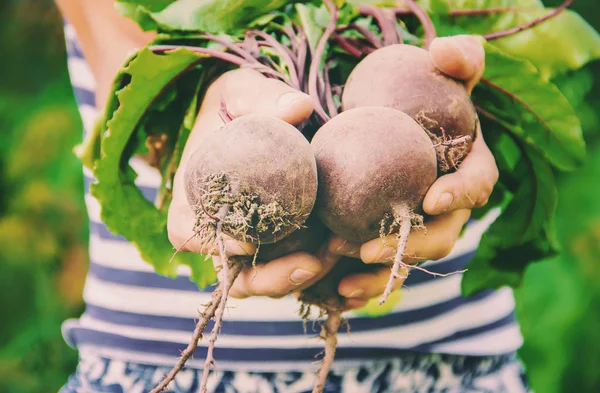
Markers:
43,227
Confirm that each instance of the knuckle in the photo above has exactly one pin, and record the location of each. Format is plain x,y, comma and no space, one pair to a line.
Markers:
174,239
443,250
490,180
274,292
236,293
482,202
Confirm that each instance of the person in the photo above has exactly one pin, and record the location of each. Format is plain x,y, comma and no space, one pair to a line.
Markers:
137,322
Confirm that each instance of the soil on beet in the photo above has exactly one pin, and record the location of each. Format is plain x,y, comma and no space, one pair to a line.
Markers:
262,169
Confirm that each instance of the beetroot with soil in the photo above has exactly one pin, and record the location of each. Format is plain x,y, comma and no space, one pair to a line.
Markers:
255,179
403,77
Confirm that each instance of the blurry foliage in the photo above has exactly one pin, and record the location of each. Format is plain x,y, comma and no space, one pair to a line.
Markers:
557,305
43,226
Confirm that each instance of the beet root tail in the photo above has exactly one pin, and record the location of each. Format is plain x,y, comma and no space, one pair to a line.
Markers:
403,216
329,334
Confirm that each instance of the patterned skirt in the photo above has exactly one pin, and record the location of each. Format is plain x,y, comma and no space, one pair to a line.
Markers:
413,373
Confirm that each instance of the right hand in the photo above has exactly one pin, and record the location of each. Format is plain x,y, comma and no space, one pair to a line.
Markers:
245,92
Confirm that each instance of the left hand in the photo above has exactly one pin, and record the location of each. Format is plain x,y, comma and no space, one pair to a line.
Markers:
450,199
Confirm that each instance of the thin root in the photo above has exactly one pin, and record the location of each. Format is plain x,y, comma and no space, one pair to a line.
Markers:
329,334
401,214
208,313
183,245
235,265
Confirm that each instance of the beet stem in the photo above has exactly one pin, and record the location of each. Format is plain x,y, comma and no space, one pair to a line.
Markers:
347,45
225,56
471,12
329,334
231,46
285,54
251,45
331,107
388,30
316,60
368,34
525,26
301,58
289,31
401,214
425,20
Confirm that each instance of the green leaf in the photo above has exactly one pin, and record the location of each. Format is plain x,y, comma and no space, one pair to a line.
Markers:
307,17
573,41
376,3
576,87
435,6
537,111
150,5
124,209
565,42
139,11
213,16
524,232
88,151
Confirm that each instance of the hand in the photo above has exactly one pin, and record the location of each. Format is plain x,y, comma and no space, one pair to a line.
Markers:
246,91
450,199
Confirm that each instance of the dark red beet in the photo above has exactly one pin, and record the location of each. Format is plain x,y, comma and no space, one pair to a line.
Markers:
256,180
403,77
375,166
259,173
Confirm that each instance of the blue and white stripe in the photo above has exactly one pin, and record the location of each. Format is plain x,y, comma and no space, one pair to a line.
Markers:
134,314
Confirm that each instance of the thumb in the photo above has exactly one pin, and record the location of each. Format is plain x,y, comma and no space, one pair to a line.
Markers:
461,57
247,91
467,188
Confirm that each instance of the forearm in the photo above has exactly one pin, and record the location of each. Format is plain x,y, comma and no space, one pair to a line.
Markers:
106,39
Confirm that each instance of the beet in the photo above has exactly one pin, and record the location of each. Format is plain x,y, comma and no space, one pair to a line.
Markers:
257,175
375,166
404,77
254,179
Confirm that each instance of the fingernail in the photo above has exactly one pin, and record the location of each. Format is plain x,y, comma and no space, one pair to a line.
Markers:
234,247
347,248
444,202
376,252
289,99
461,49
356,294
300,276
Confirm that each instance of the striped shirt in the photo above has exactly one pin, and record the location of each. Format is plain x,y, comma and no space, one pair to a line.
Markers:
136,315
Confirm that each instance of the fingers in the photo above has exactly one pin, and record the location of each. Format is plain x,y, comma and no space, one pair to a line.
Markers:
364,286
247,91
434,243
282,276
343,247
467,188
243,91
461,57
188,241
